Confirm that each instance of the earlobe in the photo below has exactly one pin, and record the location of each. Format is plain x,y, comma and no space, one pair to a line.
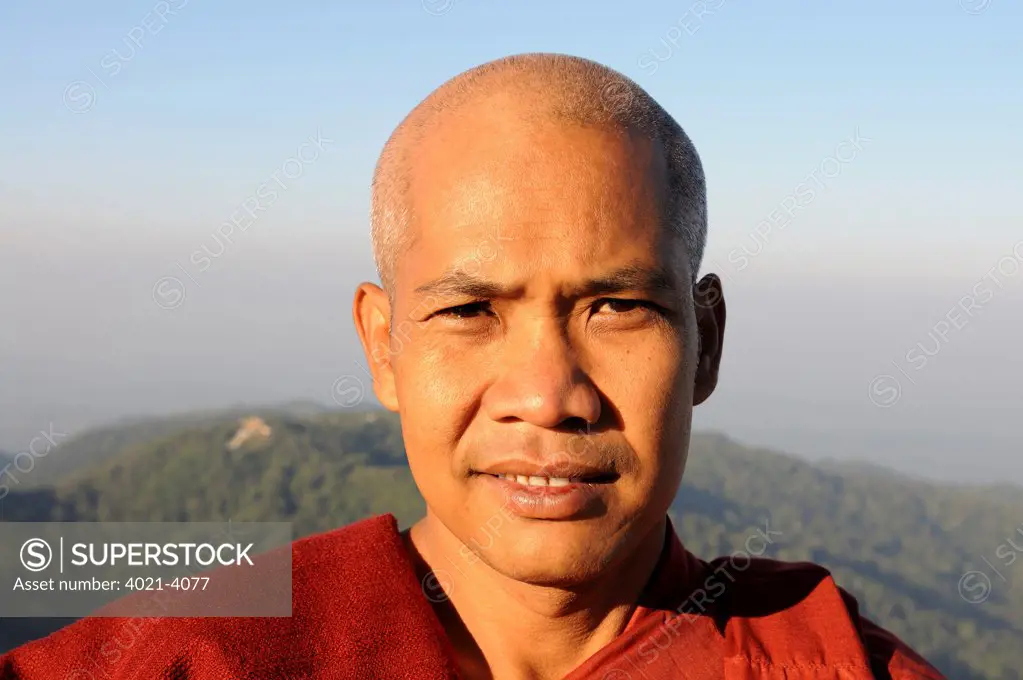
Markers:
371,312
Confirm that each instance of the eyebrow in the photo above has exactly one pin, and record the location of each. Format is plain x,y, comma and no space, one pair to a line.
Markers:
630,277
458,282
634,277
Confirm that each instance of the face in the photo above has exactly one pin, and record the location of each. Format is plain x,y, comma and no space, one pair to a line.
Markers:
544,351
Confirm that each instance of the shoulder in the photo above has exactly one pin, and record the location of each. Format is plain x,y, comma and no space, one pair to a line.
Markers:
890,657
772,600
364,551
757,583
335,576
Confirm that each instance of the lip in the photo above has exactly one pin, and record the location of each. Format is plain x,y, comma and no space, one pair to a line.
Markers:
578,472
574,500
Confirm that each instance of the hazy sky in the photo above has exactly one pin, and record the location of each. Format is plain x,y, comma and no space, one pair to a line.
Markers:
863,170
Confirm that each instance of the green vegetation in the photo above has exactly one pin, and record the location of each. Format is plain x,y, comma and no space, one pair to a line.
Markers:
899,545
93,447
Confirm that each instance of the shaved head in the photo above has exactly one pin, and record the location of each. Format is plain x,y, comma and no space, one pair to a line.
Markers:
538,224
537,88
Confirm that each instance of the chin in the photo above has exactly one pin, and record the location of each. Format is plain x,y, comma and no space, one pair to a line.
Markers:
561,554
555,571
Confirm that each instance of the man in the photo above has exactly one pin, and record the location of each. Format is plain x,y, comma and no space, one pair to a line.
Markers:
538,225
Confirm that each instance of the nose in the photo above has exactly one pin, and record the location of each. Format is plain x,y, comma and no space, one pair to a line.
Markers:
542,382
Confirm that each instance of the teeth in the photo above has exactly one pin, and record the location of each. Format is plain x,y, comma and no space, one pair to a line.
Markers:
537,480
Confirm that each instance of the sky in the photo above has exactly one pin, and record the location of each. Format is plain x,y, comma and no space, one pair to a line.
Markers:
862,161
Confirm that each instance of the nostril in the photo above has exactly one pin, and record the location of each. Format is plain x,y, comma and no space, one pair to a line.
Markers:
575,424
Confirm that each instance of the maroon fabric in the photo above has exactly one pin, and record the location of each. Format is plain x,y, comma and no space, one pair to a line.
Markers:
359,612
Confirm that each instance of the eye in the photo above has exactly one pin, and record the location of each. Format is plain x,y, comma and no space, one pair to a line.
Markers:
466,311
624,306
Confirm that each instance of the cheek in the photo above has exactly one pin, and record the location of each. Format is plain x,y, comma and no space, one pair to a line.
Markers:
435,396
432,377
650,382
653,394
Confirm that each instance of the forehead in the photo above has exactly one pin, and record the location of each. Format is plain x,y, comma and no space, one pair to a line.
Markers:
524,198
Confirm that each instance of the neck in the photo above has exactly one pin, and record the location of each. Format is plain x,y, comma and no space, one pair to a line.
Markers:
503,628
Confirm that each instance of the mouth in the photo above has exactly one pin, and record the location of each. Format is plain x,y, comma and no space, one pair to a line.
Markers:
542,481
556,494
552,472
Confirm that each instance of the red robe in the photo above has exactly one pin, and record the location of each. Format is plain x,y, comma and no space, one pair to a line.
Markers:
359,612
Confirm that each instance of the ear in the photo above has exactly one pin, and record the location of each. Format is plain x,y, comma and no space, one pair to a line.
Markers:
371,311
709,299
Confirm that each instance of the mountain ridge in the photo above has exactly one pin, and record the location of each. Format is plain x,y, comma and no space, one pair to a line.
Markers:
899,545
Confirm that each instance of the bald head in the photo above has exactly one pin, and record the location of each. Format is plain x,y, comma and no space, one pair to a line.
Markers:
537,88
538,224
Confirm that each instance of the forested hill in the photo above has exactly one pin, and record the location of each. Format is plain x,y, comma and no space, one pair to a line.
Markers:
901,546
